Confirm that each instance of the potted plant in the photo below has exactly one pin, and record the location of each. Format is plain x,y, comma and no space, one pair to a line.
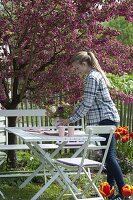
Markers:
56,112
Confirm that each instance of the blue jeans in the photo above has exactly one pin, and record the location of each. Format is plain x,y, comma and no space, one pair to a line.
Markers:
114,172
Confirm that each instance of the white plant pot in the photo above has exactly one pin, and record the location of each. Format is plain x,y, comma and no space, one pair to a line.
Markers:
56,121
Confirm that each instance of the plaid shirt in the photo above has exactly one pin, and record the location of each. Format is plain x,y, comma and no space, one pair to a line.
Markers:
96,104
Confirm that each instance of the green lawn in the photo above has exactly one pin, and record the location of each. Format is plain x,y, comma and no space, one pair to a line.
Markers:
10,188
12,192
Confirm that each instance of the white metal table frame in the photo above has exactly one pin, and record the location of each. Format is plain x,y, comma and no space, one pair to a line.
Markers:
46,159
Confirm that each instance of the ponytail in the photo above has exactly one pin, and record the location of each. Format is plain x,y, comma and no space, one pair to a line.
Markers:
92,61
97,66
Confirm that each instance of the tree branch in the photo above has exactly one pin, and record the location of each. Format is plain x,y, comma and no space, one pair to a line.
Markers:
7,11
22,36
29,66
6,89
15,88
52,59
11,7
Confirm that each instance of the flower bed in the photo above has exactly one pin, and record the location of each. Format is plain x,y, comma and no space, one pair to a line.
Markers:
124,146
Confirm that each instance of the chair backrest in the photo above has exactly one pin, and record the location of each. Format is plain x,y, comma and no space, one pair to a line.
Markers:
80,125
29,118
2,131
99,130
105,129
90,133
20,113
38,113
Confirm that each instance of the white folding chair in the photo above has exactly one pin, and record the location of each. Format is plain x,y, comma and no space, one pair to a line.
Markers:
3,157
81,164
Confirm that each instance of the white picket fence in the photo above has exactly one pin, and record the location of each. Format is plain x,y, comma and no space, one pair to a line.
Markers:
125,111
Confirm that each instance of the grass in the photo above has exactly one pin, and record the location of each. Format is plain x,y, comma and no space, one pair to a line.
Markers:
13,193
10,188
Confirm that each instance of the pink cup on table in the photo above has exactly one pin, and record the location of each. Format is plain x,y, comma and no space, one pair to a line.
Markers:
71,131
61,130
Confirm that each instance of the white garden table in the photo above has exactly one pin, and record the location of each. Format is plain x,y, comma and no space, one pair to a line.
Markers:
46,158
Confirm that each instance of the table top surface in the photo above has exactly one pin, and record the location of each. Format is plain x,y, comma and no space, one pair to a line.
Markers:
27,136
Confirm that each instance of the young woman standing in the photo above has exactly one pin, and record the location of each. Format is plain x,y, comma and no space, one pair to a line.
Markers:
99,109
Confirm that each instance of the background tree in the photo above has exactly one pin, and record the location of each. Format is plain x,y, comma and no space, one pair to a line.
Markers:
38,38
125,27
123,83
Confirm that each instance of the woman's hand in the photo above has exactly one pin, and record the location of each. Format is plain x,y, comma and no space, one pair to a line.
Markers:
49,113
63,122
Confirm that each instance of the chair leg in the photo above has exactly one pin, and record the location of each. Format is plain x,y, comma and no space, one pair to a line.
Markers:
2,195
58,180
2,161
45,177
71,183
94,180
65,189
78,193
89,172
67,185
92,183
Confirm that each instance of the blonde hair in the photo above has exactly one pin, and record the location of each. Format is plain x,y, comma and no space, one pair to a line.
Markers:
90,58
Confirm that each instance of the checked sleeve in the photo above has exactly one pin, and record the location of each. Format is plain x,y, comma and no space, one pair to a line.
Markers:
90,91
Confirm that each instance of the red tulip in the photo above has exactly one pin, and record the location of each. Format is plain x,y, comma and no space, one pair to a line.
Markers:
118,129
125,138
131,135
117,135
125,127
132,189
106,190
127,190
124,131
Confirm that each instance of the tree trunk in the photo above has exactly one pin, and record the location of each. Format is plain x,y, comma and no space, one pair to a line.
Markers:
11,159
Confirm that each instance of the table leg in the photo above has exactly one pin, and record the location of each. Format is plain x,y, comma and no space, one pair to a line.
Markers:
45,187
40,167
31,176
46,158
2,195
50,161
36,171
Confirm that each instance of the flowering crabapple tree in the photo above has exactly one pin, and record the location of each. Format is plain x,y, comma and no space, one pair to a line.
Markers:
38,38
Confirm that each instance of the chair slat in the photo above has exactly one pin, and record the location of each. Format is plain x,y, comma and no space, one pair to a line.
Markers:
100,129
25,147
2,139
19,113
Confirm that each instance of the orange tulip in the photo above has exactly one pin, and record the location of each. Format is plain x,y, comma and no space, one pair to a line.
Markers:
106,190
125,138
127,190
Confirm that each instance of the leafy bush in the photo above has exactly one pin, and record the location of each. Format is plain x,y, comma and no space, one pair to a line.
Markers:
123,83
125,27
124,147
26,161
